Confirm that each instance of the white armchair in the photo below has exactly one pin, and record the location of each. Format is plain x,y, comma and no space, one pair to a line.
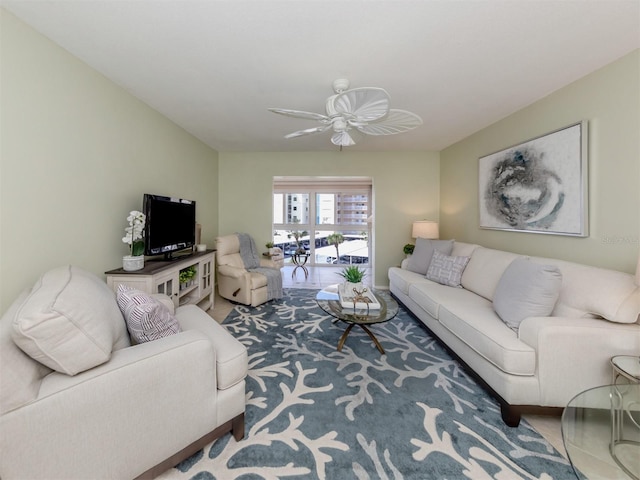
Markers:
235,282
139,411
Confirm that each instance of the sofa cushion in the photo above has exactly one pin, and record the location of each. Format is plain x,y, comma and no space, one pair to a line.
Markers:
484,270
430,295
420,260
446,269
526,289
628,310
475,323
147,318
69,321
461,249
403,278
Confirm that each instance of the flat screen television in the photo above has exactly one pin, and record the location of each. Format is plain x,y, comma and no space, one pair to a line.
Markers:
170,225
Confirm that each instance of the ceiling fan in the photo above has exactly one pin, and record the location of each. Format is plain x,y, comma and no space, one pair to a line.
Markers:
364,109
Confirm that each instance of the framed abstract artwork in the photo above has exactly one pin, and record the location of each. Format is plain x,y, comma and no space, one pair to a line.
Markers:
539,186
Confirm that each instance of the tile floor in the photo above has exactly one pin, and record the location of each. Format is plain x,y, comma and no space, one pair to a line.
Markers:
320,277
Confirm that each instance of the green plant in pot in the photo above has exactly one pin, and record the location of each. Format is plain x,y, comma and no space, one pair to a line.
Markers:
408,248
352,274
186,275
269,246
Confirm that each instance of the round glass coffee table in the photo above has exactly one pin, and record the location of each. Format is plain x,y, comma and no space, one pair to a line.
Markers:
601,432
329,300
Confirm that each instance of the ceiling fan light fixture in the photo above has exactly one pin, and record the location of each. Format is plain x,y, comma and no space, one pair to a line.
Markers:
365,109
342,139
340,125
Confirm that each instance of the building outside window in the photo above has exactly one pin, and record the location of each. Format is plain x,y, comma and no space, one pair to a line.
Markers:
319,211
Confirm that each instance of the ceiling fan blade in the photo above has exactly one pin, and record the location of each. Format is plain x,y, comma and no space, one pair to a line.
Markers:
342,139
299,114
366,104
397,121
308,131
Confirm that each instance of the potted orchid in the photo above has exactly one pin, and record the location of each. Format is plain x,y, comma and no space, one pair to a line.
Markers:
134,237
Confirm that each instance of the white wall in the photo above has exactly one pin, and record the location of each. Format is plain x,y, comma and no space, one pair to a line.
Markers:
609,99
77,153
405,189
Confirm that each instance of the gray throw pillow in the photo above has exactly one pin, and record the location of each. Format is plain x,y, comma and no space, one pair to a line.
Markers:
526,289
421,259
447,270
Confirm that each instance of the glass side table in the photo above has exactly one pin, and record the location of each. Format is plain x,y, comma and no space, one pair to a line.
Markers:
601,432
300,261
627,368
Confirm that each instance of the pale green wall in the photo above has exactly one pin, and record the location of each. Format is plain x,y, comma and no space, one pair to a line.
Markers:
405,189
609,99
77,153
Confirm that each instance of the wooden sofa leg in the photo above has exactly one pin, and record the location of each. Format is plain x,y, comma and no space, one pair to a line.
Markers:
510,415
237,427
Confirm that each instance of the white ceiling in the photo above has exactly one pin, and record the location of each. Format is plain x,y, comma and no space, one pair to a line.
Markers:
214,67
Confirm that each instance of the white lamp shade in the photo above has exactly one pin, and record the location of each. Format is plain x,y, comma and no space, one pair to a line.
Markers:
638,271
425,229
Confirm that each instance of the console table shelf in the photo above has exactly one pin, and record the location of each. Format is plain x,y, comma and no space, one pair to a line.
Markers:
163,276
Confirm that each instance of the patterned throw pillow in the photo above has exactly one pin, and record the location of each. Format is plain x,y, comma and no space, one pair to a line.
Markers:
147,318
447,270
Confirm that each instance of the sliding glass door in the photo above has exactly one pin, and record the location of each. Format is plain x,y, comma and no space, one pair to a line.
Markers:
327,219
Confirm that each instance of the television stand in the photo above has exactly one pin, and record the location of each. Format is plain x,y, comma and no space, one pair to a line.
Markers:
168,257
160,276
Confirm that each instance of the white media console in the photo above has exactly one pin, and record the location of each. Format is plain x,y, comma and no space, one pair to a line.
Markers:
163,276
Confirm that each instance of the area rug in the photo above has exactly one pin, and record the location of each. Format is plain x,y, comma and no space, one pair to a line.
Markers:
315,413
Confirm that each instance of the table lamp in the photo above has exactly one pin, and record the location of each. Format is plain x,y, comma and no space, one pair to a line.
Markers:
425,229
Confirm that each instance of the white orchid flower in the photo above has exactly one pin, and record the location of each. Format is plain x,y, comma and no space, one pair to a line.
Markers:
135,231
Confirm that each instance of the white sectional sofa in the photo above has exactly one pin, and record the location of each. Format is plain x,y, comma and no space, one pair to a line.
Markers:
548,359
94,406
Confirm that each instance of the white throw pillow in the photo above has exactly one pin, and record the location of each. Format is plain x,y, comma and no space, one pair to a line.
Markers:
447,270
526,289
147,318
420,260
68,322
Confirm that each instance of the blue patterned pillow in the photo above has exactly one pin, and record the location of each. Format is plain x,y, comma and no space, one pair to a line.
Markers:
447,270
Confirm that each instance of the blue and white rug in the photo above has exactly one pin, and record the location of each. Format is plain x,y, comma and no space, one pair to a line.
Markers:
315,413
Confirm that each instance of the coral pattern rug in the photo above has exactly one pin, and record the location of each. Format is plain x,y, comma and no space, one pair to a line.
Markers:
315,413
